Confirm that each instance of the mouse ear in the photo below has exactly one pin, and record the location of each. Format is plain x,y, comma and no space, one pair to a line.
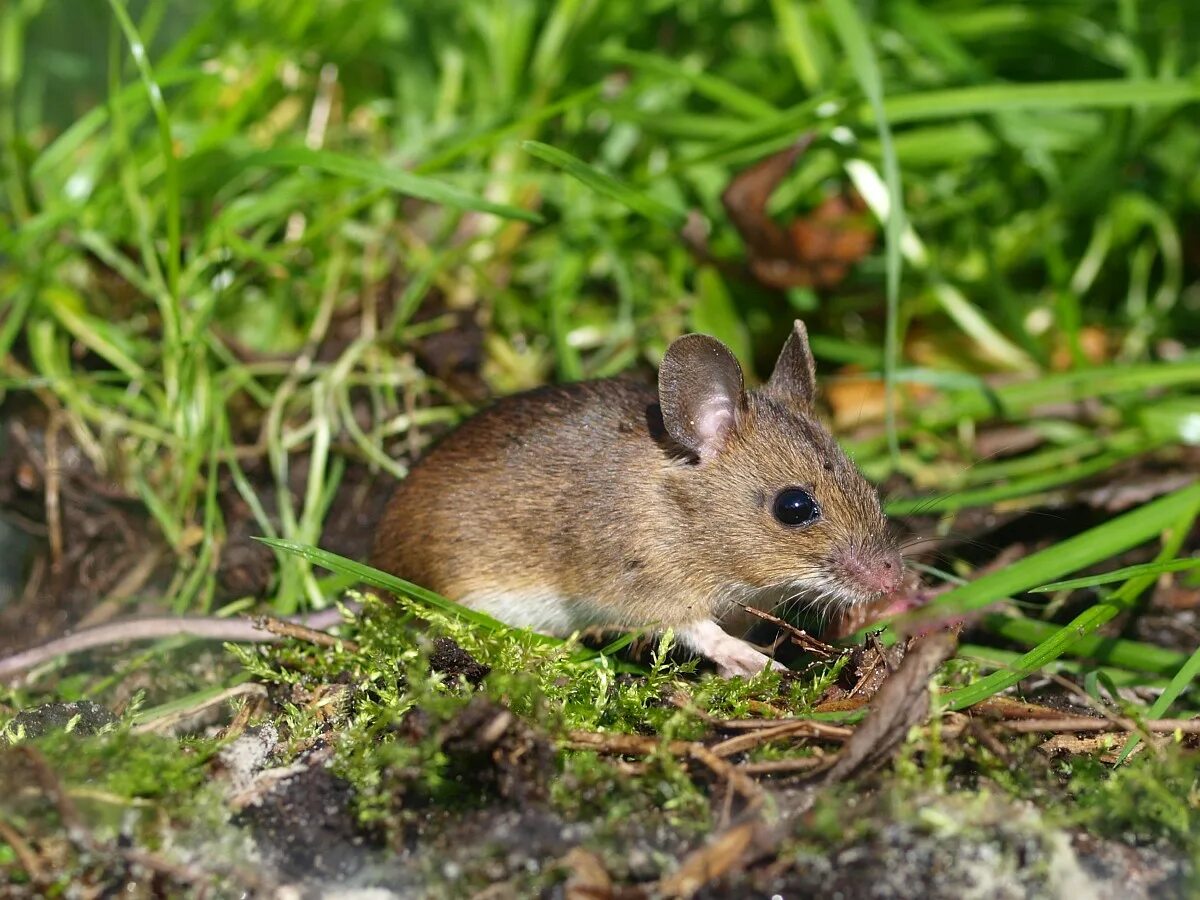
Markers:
795,377
700,391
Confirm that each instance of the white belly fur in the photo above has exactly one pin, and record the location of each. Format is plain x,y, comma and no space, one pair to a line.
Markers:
545,611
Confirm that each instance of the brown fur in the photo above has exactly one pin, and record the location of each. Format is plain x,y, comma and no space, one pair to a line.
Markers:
581,491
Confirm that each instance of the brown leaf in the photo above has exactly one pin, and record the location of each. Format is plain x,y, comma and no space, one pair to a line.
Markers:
902,701
746,197
816,250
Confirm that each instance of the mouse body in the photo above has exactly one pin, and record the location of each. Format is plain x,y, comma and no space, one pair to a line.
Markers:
609,503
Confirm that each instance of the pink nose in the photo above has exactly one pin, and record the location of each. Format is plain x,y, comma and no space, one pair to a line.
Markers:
877,574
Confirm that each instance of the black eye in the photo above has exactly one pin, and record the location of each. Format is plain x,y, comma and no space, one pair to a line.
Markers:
796,506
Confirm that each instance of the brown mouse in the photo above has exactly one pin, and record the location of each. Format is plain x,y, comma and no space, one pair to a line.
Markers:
604,503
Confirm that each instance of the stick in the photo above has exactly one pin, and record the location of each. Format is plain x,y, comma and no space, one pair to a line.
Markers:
1086,723
155,628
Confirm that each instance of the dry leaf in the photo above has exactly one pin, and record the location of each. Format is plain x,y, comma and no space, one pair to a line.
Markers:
816,250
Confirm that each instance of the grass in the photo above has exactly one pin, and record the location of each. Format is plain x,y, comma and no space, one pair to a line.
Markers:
198,205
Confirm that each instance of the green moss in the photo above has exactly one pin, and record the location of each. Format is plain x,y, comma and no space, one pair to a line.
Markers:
1153,796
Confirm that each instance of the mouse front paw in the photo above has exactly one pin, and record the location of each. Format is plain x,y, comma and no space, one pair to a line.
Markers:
746,662
733,656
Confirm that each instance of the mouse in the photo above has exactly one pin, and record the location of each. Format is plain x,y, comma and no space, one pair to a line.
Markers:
619,504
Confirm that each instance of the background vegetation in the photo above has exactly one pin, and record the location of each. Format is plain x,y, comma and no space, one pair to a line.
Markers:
233,233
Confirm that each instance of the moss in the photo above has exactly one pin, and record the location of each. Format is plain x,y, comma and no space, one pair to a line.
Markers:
1154,796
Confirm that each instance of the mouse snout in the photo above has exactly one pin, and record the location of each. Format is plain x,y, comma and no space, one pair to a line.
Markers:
875,571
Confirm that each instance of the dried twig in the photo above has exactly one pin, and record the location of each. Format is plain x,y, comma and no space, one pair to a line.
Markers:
901,702
751,792
623,744
637,745
154,628
589,880
287,628
25,856
1087,723
52,789
793,728
798,636
789,766
728,851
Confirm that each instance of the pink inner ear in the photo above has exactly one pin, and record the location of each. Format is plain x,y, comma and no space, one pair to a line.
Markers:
714,419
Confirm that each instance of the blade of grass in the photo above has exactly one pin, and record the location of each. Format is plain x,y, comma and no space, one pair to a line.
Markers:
1090,620
603,183
995,658
852,33
1175,565
1183,679
719,90
992,98
1022,487
799,40
398,180
1085,549
1131,655
166,142
383,580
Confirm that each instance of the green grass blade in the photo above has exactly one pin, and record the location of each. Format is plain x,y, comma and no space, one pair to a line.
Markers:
1023,487
1181,511
166,143
799,40
1158,710
603,183
993,98
995,658
379,579
720,91
853,34
1175,565
1085,549
398,180
1126,654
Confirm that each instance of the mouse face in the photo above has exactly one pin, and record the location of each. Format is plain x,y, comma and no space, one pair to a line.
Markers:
768,499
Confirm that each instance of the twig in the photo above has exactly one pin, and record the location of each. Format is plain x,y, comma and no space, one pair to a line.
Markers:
798,636
287,628
729,850
794,728
623,744
739,781
1007,708
786,766
54,492
51,787
25,855
820,729
150,629
636,744
1086,723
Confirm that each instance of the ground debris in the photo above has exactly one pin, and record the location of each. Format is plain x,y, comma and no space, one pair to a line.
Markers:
500,753
453,661
729,851
588,879
901,702
82,717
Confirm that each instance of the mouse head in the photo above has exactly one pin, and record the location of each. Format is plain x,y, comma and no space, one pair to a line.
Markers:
768,498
